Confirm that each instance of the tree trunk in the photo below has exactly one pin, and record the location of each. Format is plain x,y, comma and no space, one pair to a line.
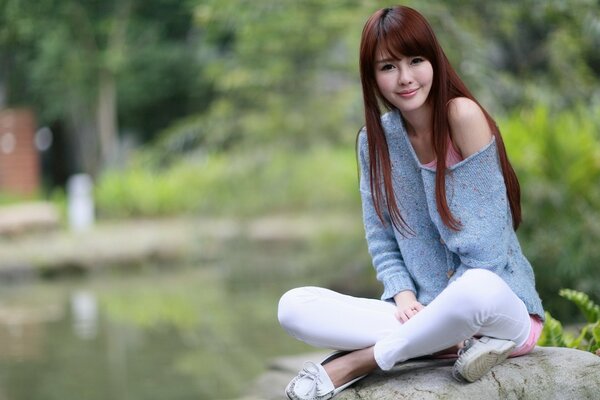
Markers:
106,118
2,94
3,83
83,137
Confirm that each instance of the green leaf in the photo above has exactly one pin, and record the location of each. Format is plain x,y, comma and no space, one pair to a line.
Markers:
552,334
590,310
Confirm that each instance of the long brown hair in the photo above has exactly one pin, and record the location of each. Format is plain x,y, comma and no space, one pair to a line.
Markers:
403,31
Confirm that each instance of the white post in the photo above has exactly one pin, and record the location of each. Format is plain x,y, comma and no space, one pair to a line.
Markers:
80,199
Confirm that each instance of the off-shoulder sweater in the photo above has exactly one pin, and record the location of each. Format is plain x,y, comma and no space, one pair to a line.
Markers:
433,255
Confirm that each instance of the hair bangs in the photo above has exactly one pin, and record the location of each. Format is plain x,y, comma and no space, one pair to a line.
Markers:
400,36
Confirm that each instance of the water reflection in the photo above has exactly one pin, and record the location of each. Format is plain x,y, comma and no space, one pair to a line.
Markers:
22,330
183,332
84,309
181,335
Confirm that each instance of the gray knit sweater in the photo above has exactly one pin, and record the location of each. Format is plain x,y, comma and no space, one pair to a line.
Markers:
476,196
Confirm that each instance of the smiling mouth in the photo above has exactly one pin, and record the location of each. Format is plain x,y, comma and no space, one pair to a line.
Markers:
407,93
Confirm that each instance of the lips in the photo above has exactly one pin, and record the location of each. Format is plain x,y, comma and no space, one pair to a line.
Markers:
407,93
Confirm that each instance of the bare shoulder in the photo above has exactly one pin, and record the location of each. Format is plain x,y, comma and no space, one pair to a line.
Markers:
468,126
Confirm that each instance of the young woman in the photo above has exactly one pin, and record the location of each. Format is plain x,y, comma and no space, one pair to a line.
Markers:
441,203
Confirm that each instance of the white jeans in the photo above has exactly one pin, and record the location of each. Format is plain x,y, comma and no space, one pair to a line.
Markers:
477,303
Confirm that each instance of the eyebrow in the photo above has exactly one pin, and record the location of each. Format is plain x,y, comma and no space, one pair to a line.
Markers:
386,60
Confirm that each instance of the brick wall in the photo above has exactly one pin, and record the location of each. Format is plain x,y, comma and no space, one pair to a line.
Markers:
19,158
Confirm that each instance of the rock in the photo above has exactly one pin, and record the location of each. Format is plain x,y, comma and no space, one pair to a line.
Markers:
27,217
546,373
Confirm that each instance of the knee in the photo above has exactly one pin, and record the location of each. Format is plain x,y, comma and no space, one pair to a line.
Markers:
290,308
481,287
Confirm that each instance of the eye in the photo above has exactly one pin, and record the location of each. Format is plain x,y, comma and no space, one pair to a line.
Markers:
417,60
386,67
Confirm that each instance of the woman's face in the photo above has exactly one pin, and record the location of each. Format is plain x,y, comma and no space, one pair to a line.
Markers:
404,82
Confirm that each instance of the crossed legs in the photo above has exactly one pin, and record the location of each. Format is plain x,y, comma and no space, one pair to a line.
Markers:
477,303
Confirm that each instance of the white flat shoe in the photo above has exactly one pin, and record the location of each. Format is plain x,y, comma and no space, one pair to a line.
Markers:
313,383
479,356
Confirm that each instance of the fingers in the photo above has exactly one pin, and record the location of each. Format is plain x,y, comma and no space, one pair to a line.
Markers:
405,313
411,312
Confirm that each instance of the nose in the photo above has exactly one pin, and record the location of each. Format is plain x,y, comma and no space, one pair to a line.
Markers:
404,76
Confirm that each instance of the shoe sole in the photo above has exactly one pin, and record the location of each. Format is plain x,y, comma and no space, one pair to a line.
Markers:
485,362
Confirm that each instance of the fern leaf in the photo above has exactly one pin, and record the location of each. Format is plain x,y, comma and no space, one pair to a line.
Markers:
595,341
590,310
576,343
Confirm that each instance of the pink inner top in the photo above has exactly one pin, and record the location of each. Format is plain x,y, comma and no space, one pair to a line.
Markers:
452,156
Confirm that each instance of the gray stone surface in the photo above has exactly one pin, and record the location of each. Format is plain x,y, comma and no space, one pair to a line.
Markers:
546,373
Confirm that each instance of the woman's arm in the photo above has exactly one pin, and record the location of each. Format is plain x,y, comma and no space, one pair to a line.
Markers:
387,259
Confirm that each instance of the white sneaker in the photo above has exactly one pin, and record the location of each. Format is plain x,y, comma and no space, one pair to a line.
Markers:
479,356
313,383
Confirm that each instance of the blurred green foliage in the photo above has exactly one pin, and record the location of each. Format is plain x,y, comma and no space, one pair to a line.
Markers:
234,184
557,158
588,337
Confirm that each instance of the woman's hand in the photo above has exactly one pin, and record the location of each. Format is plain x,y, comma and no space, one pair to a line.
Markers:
407,306
406,312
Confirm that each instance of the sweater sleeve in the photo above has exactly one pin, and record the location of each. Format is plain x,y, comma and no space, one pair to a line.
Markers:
387,259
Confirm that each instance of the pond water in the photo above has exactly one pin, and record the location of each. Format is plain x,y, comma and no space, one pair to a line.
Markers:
177,332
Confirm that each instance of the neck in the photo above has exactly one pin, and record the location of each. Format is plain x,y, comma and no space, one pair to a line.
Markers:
418,122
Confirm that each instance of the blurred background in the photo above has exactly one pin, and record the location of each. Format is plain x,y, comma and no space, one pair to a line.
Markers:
168,168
